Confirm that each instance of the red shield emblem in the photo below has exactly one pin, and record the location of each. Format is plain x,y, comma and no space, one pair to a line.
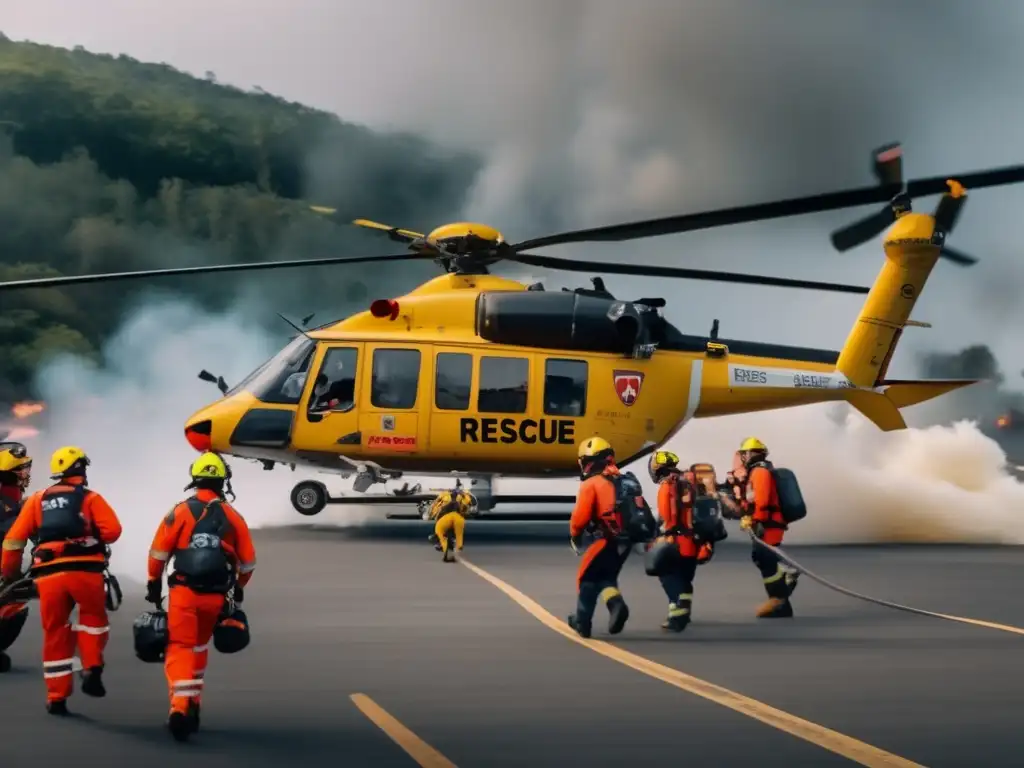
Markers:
627,385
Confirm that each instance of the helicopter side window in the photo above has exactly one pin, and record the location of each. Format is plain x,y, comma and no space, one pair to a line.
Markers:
275,381
504,385
396,378
335,385
453,381
565,387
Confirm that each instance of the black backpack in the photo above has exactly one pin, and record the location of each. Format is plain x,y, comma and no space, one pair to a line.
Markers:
791,499
638,523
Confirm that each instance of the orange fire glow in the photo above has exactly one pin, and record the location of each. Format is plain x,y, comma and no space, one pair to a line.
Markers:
1003,421
24,410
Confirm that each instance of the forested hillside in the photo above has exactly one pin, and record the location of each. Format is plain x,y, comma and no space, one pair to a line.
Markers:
110,164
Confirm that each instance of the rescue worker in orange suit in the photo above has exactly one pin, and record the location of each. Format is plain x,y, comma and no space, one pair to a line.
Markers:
762,515
213,553
598,576
15,476
73,526
675,508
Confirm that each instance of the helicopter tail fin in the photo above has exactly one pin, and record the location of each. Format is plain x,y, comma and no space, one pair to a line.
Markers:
882,408
886,312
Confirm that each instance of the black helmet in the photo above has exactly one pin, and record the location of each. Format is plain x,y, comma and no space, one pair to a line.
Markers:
151,636
231,634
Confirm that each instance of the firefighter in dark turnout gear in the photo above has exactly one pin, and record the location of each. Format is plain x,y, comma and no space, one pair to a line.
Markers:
73,527
15,476
213,555
595,512
762,515
675,508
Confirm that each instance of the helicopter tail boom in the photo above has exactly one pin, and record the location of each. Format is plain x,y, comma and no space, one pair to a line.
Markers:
872,340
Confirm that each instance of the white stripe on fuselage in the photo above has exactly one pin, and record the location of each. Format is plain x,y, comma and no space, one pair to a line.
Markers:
785,378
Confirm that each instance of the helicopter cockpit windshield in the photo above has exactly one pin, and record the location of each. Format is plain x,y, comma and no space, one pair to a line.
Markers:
282,378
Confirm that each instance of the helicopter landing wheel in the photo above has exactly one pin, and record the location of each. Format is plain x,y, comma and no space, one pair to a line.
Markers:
309,497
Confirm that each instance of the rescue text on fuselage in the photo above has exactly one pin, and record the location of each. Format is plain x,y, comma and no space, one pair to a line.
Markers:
529,431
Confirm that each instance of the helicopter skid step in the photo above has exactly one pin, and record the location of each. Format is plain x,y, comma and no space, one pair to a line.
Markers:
509,517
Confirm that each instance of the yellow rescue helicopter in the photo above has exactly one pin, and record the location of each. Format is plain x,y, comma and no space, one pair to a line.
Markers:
480,375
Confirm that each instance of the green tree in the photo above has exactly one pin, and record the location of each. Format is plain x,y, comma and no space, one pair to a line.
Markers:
110,164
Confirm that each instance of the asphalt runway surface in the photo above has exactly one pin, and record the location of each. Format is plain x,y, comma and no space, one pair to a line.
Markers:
369,651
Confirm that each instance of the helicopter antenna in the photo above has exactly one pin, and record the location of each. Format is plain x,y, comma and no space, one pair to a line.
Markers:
293,325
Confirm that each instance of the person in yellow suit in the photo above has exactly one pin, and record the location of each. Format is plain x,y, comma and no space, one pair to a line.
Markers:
450,510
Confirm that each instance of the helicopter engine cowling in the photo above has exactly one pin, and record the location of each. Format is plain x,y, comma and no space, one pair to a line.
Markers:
563,320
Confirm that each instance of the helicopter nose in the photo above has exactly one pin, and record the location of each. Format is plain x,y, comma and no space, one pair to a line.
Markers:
198,434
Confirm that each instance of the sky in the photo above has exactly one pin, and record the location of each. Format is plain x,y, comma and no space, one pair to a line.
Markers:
590,112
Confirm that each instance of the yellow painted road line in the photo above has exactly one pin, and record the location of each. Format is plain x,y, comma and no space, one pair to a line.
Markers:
833,741
424,754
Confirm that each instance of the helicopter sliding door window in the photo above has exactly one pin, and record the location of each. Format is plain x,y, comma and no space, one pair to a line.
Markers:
335,385
504,385
565,387
396,378
453,381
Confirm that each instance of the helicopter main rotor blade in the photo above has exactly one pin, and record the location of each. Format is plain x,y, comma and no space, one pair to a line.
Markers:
53,282
572,265
958,257
774,210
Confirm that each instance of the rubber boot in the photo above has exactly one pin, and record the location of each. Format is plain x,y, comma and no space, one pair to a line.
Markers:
92,682
180,725
583,630
618,615
193,715
5,663
678,618
58,707
775,608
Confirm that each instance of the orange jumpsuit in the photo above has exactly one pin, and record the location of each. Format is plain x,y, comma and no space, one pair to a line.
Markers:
598,574
761,502
193,610
73,526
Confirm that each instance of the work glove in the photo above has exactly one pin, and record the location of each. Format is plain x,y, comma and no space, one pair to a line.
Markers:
239,594
154,592
747,523
576,542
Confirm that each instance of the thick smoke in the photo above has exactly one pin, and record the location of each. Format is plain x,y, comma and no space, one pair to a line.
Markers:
591,112
129,413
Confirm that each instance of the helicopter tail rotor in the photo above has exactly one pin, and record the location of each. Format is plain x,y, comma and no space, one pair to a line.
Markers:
888,169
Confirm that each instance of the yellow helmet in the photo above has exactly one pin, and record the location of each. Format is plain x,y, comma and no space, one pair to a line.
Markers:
68,460
593,446
659,462
209,466
14,457
753,444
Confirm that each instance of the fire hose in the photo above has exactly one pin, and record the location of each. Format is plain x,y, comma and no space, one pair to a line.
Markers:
877,601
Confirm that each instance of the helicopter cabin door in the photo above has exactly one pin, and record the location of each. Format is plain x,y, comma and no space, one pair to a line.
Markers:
395,386
328,417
